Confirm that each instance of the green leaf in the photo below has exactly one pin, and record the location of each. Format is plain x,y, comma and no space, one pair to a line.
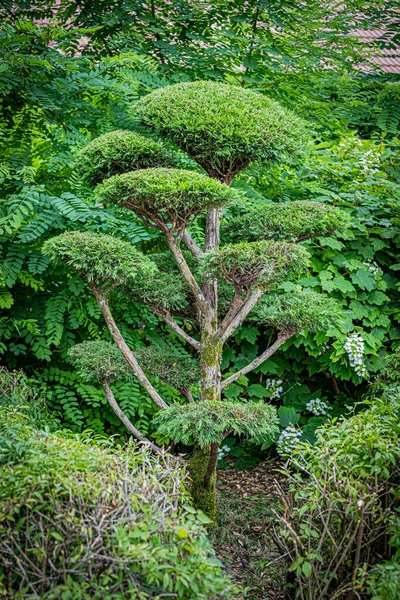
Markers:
288,416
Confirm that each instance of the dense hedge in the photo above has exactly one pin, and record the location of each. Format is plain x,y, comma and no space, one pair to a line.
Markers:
79,519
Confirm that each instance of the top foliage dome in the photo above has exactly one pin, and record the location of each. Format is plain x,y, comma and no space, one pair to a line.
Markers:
119,152
166,198
223,127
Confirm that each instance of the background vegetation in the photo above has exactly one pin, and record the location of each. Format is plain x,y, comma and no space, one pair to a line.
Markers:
61,85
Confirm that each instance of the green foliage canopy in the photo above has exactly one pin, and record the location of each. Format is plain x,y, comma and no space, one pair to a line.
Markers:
98,360
296,311
178,369
255,264
99,259
206,422
223,127
293,221
119,152
166,196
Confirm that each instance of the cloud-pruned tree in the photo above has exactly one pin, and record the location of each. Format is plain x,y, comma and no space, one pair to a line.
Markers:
223,128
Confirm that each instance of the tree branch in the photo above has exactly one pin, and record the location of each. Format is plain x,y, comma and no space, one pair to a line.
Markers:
184,269
188,394
126,351
257,361
122,417
191,244
240,316
166,317
237,303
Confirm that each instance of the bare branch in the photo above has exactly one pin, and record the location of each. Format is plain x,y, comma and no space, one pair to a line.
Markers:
237,303
122,417
126,351
166,317
240,316
188,394
257,361
191,244
184,269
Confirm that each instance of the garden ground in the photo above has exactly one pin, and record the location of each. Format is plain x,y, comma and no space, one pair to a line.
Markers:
244,539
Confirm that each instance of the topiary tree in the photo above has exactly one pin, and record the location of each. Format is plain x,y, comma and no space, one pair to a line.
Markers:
223,128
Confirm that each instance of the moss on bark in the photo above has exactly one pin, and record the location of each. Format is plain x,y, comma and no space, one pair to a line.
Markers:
204,497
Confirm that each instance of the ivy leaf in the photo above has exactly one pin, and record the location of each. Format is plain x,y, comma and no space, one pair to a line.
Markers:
249,334
256,390
288,416
363,279
331,243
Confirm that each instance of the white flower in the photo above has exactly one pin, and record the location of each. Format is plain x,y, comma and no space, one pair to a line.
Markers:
355,347
373,267
222,450
275,387
288,439
317,406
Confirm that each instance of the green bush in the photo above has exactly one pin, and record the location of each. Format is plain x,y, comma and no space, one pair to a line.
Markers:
81,520
342,506
222,127
207,422
119,152
292,221
259,264
98,259
165,196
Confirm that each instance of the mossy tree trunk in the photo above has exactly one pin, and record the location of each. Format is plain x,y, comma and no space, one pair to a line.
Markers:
203,464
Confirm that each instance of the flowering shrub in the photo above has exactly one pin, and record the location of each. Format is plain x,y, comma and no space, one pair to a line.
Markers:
274,387
317,406
288,439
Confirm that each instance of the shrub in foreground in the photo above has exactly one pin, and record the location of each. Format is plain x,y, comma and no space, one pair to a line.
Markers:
80,520
340,511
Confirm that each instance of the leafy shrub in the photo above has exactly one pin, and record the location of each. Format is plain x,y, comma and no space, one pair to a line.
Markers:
17,390
293,221
80,520
208,422
343,494
118,152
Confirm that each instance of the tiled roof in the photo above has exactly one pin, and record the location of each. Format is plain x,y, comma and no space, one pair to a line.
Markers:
387,59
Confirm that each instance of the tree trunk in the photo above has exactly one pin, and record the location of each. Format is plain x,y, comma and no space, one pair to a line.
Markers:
202,469
202,466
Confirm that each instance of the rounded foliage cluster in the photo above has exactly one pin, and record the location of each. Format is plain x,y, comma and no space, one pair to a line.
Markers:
119,152
223,127
99,361
97,523
297,311
97,258
255,264
177,369
162,291
207,422
166,198
291,221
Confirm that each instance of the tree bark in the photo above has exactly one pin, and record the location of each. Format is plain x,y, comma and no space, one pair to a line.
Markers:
202,466
122,417
126,351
